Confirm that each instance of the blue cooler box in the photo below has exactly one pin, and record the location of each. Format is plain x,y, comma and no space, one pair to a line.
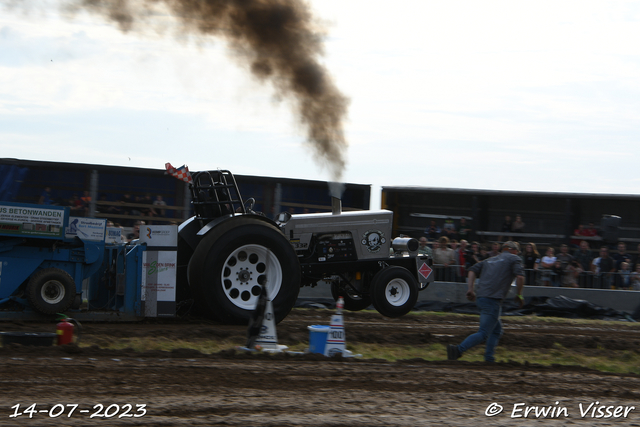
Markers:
318,338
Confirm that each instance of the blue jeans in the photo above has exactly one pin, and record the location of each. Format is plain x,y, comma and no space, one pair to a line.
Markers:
490,328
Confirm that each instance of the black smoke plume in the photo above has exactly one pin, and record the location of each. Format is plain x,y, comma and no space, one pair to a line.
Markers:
280,42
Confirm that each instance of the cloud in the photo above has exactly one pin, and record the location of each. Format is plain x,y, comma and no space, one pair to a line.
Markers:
443,94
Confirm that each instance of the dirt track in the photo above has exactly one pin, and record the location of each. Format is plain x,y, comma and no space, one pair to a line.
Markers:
185,387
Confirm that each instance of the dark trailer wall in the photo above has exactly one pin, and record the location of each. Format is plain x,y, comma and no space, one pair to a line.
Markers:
553,216
28,180
275,195
25,180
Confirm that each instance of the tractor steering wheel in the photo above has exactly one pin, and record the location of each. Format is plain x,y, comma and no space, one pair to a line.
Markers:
249,204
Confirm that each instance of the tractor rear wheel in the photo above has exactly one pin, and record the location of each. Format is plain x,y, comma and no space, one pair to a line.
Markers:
232,263
51,291
394,291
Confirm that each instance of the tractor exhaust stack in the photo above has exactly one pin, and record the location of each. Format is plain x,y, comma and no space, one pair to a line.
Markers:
336,205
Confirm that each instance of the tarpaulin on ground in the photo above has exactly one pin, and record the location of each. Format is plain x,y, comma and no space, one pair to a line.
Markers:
561,306
316,303
558,306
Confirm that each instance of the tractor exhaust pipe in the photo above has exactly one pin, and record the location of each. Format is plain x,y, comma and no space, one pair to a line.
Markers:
336,206
404,244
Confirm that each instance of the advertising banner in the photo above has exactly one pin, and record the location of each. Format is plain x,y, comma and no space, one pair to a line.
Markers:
86,228
159,283
31,220
159,235
114,235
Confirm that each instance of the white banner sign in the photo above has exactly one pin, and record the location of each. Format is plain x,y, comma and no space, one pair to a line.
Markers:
158,281
86,228
31,220
159,235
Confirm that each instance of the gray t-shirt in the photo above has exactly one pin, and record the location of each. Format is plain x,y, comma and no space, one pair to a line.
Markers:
496,275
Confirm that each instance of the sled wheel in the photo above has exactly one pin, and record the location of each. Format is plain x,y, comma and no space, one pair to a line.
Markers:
233,261
352,301
51,291
394,291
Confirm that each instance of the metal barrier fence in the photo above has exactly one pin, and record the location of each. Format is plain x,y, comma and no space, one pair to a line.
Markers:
545,277
451,273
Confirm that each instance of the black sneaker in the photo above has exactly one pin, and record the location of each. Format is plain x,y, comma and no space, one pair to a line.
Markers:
453,353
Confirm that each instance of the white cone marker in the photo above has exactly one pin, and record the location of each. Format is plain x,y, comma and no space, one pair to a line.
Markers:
268,338
336,343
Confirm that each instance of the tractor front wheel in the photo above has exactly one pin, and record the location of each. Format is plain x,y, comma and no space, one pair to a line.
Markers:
394,291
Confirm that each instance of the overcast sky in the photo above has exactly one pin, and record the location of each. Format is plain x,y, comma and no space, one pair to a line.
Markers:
507,95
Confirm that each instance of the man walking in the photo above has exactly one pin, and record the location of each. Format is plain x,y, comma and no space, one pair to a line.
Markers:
496,275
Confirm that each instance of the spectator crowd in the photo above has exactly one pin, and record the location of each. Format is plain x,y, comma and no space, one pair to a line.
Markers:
126,206
574,265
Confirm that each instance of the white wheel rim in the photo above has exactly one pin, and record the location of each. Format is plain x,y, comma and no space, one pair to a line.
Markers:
397,292
245,270
52,292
